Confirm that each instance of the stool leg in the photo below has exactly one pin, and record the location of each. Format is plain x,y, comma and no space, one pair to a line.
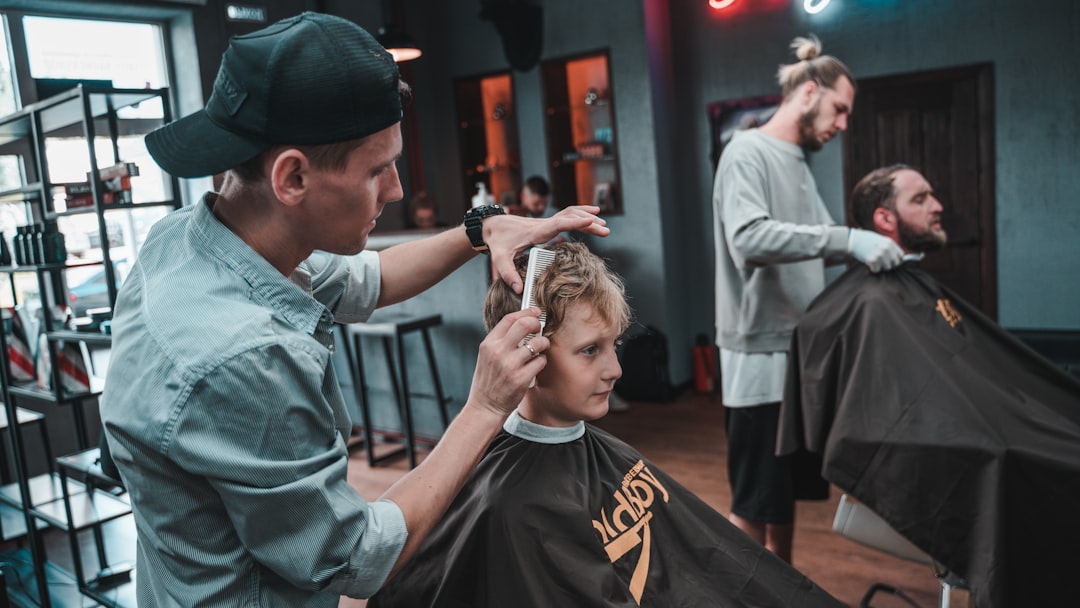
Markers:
354,371
360,386
435,379
402,390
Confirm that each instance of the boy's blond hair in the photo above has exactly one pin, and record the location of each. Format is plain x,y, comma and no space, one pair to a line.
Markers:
575,275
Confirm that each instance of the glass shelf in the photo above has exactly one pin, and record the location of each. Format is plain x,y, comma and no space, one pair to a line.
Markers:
601,105
89,337
486,123
15,128
27,193
13,523
49,267
48,395
66,109
483,138
87,509
113,207
571,125
584,159
44,489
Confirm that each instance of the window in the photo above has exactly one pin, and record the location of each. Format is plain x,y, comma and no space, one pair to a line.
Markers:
10,168
59,52
130,55
122,54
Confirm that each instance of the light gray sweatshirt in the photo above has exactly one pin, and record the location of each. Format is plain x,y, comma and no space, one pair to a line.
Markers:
773,237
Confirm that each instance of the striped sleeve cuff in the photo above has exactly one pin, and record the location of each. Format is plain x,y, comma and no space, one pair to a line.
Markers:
380,546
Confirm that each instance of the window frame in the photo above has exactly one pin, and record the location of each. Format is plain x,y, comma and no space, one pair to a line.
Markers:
177,26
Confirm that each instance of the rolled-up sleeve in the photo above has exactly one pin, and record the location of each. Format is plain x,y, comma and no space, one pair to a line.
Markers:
347,285
264,436
381,547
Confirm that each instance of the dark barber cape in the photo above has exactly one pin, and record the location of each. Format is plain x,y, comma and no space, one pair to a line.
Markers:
586,523
956,433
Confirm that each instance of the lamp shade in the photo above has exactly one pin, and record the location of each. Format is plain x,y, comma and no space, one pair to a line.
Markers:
401,46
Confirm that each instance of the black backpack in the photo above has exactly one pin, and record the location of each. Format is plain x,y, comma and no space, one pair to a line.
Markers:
644,360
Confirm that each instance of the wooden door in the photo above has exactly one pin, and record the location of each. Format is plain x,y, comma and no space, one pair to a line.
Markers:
941,123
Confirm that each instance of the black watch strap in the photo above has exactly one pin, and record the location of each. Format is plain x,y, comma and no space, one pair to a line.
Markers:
474,224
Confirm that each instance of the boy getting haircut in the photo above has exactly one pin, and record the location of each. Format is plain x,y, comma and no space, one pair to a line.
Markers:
561,513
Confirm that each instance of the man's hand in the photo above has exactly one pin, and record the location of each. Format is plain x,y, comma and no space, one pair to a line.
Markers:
504,367
506,235
876,251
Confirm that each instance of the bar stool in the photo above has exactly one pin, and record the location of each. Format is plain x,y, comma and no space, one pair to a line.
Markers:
392,328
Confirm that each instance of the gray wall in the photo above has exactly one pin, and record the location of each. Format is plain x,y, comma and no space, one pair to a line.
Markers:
670,59
1037,122
463,45
458,44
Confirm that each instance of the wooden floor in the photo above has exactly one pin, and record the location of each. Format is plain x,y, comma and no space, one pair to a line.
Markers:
686,438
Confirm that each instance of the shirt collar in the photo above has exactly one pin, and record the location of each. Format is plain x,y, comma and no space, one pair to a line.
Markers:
279,293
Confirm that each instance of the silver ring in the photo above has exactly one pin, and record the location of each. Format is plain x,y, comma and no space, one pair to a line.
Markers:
529,346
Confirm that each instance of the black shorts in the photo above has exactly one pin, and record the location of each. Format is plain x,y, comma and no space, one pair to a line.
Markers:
761,481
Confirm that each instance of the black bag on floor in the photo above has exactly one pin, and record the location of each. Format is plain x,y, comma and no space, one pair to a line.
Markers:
644,360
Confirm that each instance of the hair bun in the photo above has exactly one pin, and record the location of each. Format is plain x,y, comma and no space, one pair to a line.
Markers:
806,48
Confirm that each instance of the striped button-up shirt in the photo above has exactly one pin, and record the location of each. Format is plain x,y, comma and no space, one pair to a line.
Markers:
225,418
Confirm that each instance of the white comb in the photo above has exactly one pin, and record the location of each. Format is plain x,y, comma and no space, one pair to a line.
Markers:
539,259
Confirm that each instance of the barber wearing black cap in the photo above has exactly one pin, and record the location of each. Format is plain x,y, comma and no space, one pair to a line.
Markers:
222,410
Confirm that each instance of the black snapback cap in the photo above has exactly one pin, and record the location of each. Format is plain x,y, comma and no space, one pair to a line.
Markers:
306,80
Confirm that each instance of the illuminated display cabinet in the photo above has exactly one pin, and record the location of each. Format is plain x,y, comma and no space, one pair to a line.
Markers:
582,143
488,136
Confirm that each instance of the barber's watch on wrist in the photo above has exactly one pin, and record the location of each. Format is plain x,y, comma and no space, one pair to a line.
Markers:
474,224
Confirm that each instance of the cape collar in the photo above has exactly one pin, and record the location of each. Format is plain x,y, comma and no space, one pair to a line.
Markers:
537,433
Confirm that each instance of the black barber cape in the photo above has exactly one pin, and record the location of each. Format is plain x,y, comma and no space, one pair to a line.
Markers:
588,523
961,437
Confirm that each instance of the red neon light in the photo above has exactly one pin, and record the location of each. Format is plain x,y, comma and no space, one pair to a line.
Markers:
731,8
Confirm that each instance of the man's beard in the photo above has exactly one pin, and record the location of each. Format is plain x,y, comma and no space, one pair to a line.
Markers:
920,241
808,135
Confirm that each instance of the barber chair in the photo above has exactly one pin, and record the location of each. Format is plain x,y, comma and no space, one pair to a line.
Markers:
855,521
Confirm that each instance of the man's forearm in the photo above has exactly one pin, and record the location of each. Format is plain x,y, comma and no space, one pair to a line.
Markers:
502,375
410,268
424,494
